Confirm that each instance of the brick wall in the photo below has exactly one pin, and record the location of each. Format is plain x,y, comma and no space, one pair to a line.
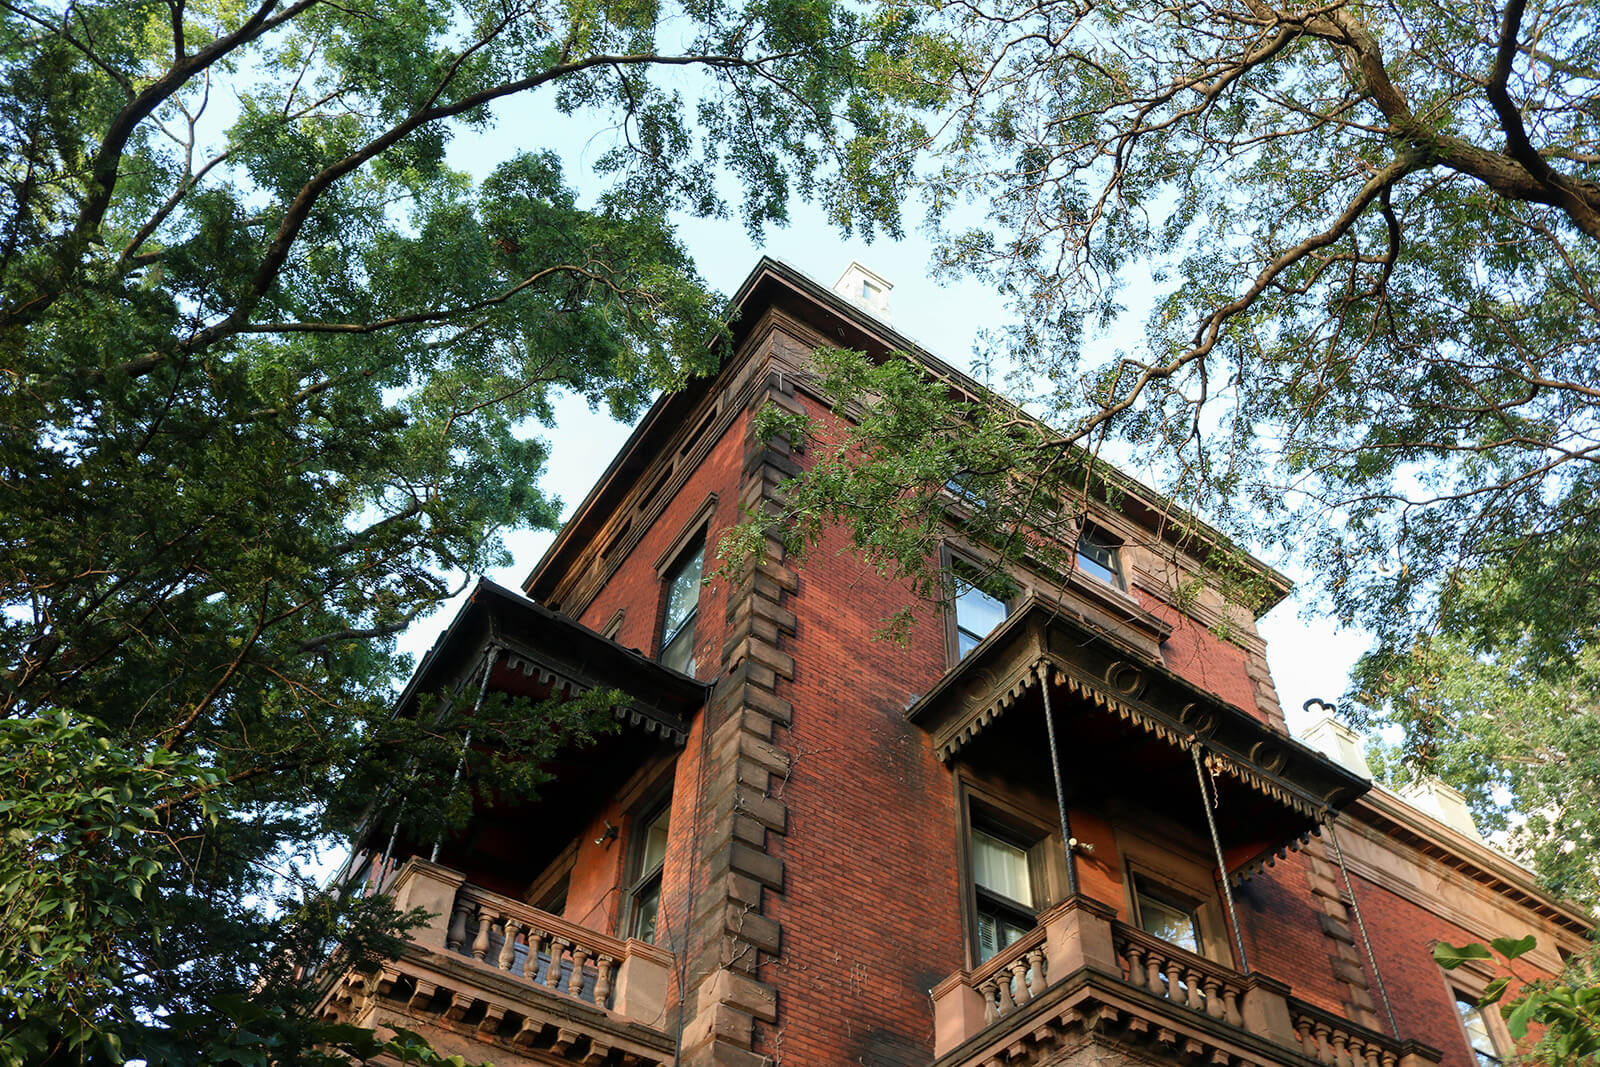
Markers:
871,908
1403,934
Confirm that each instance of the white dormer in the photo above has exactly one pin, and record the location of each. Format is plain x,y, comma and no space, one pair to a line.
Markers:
866,289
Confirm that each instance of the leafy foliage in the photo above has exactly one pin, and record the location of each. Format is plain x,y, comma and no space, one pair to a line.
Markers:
1364,239
269,369
1567,1008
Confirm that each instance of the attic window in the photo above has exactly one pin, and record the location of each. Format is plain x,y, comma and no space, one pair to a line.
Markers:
1099,556
869,291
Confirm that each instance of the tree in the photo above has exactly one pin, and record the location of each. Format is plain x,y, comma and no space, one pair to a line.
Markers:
1367,236
267,370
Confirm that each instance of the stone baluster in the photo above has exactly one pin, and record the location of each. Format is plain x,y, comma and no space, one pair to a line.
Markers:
480,943
1037,968
508,950
1136,972
1341,1054
1389,1059
602,980
530,966
987,990
1019,981
1213,991
458,926
1003,988
1302,1028
1196,997
1153,966
1324,1047
552,974
1230,1006
575,983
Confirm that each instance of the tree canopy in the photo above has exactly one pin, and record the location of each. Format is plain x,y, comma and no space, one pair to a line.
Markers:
1365,239
268,371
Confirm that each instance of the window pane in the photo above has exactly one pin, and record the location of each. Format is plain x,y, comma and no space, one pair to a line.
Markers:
683,594
679,653
1097,557
1001,868
1169,922
654,850
1478,1035
646,903
995,932
977,613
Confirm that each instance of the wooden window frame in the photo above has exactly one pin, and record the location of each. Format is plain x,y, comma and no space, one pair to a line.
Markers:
1101,538
952,561
1182,872
638,880
1009,818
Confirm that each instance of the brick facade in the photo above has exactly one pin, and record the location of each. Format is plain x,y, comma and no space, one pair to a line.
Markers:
813,896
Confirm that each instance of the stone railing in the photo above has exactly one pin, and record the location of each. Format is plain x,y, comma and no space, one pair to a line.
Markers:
1081,970
1181,977
1329,1039
541,952
1013,976
534,945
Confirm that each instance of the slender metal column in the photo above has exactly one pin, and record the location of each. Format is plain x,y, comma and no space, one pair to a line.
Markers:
1222,866
1361,924
1068,843
488,665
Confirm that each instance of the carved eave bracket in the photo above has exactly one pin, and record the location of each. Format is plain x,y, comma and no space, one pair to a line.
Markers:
1039,642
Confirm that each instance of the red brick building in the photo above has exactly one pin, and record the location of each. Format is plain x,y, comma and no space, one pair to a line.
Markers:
1068,828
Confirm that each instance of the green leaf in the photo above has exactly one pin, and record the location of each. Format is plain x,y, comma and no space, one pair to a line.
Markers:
1451,956
1520,1013
1493,991
1511,948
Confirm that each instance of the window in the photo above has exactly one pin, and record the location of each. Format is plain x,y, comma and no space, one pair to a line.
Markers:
1099,556
649,854
977,613
1002,881
1480,1036
1162,913
682,604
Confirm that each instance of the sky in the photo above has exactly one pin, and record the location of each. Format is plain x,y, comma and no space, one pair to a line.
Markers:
1309,655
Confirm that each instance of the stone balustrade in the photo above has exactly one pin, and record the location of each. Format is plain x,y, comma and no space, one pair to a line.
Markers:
535,946
1181,977
541,952
1013,977
1326,1038
1081,975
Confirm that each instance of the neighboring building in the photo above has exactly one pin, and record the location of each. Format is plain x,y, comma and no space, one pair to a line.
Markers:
832,850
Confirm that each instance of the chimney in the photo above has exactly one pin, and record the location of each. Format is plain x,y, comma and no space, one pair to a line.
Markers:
1339,743
1430,795
865,289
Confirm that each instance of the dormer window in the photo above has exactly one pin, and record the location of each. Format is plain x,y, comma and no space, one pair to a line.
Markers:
1099,556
